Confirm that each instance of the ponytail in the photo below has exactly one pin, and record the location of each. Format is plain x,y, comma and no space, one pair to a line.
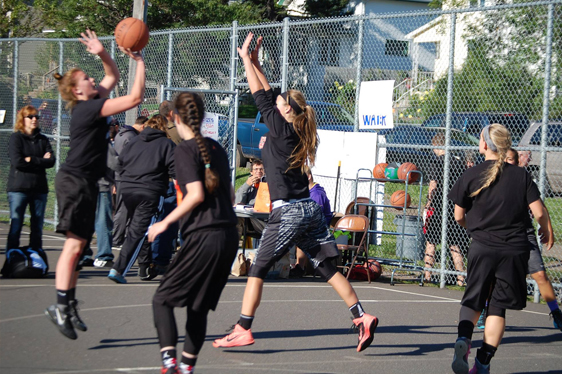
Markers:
501,138
190,108
66,83
305,126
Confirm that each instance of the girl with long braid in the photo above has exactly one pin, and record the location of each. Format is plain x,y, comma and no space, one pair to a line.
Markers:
492,200
198,273
295,219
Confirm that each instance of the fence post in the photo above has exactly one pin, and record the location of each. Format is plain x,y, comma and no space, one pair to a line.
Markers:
444,244
16,73
112,53
233,114
358,74
170,56
285,58
59,126
545,114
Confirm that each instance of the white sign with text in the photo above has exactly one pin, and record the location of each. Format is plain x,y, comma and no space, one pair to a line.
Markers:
210,126
375,105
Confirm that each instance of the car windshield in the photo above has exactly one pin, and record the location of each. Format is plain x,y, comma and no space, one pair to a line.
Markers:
554,136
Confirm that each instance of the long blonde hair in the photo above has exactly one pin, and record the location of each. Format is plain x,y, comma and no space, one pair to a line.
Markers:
189,106
501,137
66,83
20,118
305,127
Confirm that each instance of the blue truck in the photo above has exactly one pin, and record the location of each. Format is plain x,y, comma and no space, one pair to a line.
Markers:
328,116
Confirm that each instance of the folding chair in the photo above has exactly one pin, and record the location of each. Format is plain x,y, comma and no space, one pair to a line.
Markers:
359,225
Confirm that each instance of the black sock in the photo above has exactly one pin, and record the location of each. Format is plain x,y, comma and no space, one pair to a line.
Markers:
169,358
357,310
188,361
485,353
72,294
246,321
63,297
465,329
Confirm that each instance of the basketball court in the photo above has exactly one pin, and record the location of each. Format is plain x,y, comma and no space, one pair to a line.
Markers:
302,326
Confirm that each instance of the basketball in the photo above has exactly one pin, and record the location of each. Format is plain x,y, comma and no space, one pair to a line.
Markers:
378,171
404,169
397,199
131,33
391,173
375,269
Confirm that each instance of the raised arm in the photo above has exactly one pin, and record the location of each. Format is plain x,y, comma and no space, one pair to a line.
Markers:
257,66
251,74
135,97
94,46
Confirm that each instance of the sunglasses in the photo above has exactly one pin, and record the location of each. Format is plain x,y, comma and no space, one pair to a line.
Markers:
31,116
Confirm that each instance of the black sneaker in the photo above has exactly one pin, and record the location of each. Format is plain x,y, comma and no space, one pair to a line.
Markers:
60,316
75,318
296,272
557,318
147,272
87,262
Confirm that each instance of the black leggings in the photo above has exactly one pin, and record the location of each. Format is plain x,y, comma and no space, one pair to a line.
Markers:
195,328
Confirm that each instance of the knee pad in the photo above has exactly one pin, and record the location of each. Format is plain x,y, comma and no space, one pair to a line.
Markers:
326,269
496,311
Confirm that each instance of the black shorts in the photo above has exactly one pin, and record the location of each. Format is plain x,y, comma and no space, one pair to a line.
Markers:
199,271
77,199
302,223
536,263
498,273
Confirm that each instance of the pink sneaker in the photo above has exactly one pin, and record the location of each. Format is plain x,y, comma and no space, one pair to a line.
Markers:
460,359
367,324
237,338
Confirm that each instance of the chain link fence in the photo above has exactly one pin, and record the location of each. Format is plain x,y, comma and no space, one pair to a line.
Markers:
455,71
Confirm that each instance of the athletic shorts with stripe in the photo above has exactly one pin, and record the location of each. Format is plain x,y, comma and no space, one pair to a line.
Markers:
301,223
536,263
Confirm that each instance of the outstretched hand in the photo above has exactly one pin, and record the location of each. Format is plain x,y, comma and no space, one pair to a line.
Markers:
92,43
244,51
255,52
137,56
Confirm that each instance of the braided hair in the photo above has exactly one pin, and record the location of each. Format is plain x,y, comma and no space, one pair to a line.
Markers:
190,108
501,137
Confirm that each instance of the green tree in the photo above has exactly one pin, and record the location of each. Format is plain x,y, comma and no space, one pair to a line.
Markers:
18,19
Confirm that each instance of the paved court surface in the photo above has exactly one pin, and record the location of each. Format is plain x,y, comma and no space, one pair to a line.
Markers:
301,327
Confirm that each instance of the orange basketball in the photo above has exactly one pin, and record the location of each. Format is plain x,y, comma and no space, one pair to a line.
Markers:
404,169
378,171
397,199
131,33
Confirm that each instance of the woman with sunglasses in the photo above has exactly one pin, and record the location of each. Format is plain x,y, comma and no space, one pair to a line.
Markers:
30,154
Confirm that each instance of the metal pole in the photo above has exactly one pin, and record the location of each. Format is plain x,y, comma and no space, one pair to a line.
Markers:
140,12
545,114
358,75
285,58
112,53
170,56
444,245
59,126
16,73
233,114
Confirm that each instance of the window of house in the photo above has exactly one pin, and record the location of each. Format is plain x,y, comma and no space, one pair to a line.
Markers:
397,48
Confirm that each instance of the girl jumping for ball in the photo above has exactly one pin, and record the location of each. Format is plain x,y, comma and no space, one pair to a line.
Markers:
76,181
295,219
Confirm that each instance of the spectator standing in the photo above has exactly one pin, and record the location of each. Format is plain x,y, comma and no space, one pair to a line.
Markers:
30,155
46,118
125,134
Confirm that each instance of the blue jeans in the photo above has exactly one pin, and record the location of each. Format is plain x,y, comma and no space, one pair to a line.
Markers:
18,203
165,243
104,229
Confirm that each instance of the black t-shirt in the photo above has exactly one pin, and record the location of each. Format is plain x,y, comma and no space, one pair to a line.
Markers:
436,172
87,157
216,210
498,215
281,141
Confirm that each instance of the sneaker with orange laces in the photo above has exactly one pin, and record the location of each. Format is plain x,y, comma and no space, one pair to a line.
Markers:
367,324
237,338
171,370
